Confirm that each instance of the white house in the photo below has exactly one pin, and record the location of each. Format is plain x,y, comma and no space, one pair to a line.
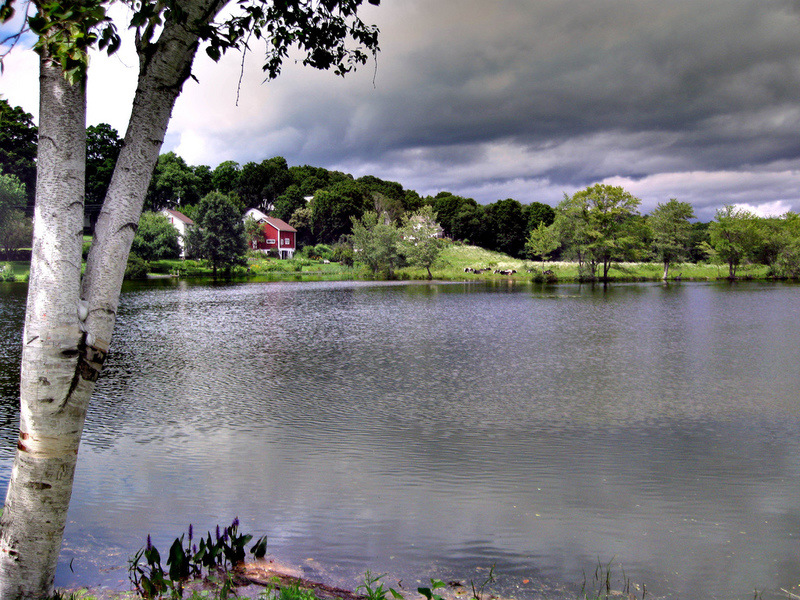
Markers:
180,222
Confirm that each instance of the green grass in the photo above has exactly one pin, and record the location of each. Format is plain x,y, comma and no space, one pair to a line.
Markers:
450,267
456,257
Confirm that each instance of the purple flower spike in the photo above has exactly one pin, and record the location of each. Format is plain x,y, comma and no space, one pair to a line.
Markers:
217,532
149,543
235,524
190,532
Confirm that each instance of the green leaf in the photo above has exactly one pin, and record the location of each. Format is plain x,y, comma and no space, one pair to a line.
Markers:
259,549
37,24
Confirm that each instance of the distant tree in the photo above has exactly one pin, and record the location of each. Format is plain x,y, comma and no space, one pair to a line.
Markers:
102,149
225,177
537,212
260,184
218,235
174,184
421,239
595,224
698,239
469,224
542,241
459,217
278,178
387,196
18,143
333,209
205,180
16,233
412,201
301,221
312,184
15,228
671,231
136,268
288,202
250,185
312,179
507,227
389,205
392,189
787,263
375,243
572,226
156,238
735,236
776,235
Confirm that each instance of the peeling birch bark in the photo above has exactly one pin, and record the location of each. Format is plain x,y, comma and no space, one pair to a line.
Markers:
53,395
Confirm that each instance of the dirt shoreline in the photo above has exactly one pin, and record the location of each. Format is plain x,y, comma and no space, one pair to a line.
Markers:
252,579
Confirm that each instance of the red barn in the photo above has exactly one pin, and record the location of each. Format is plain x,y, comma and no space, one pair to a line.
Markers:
278,235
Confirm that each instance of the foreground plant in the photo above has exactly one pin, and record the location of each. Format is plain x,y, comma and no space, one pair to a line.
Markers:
376,592
221,553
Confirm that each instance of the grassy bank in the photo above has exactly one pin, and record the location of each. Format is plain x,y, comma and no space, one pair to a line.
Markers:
450,267
456,258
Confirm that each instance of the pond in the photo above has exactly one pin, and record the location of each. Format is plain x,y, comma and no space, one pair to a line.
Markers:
434,430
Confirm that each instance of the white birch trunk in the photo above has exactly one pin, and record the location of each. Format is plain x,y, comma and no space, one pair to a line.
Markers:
68,322
52,386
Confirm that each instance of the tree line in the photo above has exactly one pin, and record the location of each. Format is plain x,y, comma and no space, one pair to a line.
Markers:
601,225
594,227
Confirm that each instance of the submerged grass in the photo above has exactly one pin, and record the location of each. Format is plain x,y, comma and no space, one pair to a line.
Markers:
605,584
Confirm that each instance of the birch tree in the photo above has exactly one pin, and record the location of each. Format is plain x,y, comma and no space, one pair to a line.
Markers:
69,318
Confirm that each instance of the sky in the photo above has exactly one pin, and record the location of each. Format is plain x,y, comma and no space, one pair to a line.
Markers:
697,100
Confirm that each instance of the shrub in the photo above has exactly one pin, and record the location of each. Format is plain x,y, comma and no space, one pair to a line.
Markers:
156,237
344,254
323,251
7,273
136,268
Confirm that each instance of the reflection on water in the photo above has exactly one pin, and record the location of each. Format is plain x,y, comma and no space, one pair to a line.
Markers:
432,429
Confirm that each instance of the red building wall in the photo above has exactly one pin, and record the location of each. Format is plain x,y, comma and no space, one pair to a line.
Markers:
270,241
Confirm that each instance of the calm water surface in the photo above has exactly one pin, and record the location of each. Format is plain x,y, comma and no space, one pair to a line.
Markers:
437,429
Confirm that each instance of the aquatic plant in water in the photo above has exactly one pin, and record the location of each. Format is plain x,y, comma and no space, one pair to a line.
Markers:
226,550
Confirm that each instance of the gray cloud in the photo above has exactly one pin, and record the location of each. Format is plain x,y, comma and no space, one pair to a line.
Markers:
508,97
512,98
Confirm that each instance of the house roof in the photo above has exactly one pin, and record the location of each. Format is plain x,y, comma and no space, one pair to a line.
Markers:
280,225
179,215
256,214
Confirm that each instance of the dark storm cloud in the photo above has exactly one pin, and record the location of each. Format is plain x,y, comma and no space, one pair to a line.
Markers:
549,95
